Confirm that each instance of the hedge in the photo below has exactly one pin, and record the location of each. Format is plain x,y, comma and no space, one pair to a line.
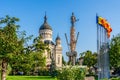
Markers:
71,73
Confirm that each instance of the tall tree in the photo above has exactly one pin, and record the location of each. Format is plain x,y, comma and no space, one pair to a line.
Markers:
115,52
9,41
20,56
11,44
12,50
38,49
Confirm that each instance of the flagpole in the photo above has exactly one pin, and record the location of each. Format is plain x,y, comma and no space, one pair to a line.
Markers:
98,48
103,48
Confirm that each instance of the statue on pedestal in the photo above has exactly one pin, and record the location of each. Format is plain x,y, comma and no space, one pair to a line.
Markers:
72,54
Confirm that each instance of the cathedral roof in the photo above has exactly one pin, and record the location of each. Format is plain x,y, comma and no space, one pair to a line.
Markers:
45,25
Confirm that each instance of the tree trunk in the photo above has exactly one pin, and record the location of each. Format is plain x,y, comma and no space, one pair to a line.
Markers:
4,69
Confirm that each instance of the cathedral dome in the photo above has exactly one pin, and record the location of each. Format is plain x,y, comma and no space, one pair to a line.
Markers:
57,38
45,25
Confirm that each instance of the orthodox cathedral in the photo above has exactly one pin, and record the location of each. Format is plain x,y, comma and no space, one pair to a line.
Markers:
55,53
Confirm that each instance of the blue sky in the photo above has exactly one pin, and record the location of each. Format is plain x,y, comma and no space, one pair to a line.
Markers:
31,14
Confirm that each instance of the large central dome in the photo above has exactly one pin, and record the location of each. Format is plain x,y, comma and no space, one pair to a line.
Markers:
45,25
45,31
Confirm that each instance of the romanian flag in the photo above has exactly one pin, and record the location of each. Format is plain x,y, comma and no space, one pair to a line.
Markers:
101,21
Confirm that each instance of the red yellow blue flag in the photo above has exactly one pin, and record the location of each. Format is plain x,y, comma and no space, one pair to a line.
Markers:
103,22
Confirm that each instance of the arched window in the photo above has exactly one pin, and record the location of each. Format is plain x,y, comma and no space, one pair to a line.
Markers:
58,59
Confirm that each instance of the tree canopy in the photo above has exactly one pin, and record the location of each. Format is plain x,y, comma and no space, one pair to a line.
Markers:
115,52
90,59
11,45
13,51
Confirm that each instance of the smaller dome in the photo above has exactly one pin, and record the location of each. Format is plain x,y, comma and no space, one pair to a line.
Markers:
57,38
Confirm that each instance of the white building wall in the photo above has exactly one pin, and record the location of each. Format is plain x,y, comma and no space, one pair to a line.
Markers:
56,50
58,56
46,34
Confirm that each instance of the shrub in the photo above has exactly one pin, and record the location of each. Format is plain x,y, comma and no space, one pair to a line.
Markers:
43,73
115,79
71,73
8,69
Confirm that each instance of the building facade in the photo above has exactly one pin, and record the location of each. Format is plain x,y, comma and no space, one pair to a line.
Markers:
55,53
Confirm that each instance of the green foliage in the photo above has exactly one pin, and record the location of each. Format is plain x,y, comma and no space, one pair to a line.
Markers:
0,64
52,68
37,50
39,59
13,51
30,78
115,52
8,69
23,64
89,59
9,42
71,73
115,79
0,74
30,59
44,72
63,61
8,38
12,45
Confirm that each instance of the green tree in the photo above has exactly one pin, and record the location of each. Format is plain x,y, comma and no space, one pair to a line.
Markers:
115,52
90,59
12,49
32,58
24,64
63,61
9,41
38,50
0,66
21,57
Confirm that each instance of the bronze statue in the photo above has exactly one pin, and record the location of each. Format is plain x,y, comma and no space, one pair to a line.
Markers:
72,54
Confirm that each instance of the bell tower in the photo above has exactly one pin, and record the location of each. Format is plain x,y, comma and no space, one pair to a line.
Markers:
58,52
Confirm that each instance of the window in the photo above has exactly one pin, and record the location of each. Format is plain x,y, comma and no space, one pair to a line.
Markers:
58,59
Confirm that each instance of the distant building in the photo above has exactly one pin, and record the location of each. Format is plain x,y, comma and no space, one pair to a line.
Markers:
55,48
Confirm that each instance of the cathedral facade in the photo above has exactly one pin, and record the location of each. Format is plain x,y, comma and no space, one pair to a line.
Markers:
55,53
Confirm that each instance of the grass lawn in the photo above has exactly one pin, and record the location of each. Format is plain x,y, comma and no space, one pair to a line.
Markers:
30,78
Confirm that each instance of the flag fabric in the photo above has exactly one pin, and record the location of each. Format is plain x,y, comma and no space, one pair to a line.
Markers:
102,21
108,34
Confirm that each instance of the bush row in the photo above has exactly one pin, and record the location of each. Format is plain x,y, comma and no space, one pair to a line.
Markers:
71,73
